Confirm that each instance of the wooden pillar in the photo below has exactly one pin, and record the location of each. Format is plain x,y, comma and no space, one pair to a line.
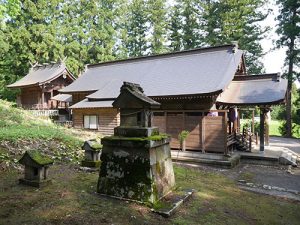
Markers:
252,129
267,128
262,130
43,99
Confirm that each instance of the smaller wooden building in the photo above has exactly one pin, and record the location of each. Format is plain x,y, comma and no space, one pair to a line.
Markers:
41,84
36,168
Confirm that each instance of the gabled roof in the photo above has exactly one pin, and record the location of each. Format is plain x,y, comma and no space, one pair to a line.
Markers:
35,158
62,98
85,104
198,71
41,74
265,89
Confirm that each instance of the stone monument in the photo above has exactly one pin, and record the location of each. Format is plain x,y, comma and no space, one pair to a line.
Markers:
136,161
92,150
36,168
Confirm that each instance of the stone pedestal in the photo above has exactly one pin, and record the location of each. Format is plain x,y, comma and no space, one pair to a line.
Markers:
136,168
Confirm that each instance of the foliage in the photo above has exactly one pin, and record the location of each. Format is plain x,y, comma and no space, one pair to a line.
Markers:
183,135
158,25
226,21
136,28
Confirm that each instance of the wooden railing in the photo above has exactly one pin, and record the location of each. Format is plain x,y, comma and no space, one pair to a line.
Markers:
64,124
44,113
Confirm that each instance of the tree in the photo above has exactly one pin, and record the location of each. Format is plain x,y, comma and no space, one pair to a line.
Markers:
136,28
190,15
31,37
289,31
158,25
225,21
175,27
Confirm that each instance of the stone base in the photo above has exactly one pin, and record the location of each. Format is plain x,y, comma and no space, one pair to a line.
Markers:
136,170
92,164
35,183
136,131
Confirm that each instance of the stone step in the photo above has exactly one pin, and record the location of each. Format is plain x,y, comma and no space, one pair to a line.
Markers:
227,163
288,158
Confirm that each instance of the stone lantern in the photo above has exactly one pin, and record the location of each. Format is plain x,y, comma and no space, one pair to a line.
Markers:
92,150
36,168
136,161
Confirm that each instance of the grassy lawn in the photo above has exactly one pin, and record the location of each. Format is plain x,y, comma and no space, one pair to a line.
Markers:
274,127
71,199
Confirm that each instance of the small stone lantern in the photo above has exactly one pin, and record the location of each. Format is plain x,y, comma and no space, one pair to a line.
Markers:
36,168
92,151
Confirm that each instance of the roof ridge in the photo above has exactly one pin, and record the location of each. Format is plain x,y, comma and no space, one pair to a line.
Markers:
45,65
165,55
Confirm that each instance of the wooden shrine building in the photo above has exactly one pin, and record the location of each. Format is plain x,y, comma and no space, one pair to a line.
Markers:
191,87
41,84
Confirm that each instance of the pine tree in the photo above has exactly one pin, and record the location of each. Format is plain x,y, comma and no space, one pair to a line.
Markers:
289,31
31,36
136,28
158,25
175,28
226,21
190,23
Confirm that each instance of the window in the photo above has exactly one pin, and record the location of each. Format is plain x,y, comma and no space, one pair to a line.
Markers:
90,122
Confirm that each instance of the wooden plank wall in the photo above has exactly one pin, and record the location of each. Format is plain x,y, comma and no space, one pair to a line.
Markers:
213,134
30,96
207,133
108,119
79,96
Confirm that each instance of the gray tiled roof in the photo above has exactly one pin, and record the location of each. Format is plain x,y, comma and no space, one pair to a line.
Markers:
92,104
197,71
62,98
254,91
40,74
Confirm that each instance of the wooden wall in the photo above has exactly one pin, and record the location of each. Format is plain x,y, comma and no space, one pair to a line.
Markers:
108,119
79,96
207,133
30,96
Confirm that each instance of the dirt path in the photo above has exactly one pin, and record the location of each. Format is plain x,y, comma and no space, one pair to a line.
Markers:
290,143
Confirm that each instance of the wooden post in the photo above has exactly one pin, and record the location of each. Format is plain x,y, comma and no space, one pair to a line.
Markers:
224,126
43,99
262,130
203,133
253,122
267,128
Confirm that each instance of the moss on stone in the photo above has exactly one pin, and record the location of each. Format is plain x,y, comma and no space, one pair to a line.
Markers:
151,138
92,164
39,158
96,145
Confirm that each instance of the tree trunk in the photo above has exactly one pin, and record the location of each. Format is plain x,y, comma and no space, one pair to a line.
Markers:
289,89
291,58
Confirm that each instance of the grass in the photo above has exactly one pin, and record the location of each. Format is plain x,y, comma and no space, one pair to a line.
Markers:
71,199
274,128
21,131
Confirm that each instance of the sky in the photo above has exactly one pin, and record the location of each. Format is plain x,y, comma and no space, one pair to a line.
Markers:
274,58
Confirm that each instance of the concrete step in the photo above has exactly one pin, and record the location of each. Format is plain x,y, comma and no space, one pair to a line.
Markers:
208,159
288,158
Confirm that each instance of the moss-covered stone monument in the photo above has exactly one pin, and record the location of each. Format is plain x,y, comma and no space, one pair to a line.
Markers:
136,161
92,150
36,168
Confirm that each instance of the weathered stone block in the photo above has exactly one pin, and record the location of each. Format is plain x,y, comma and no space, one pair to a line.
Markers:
138,170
